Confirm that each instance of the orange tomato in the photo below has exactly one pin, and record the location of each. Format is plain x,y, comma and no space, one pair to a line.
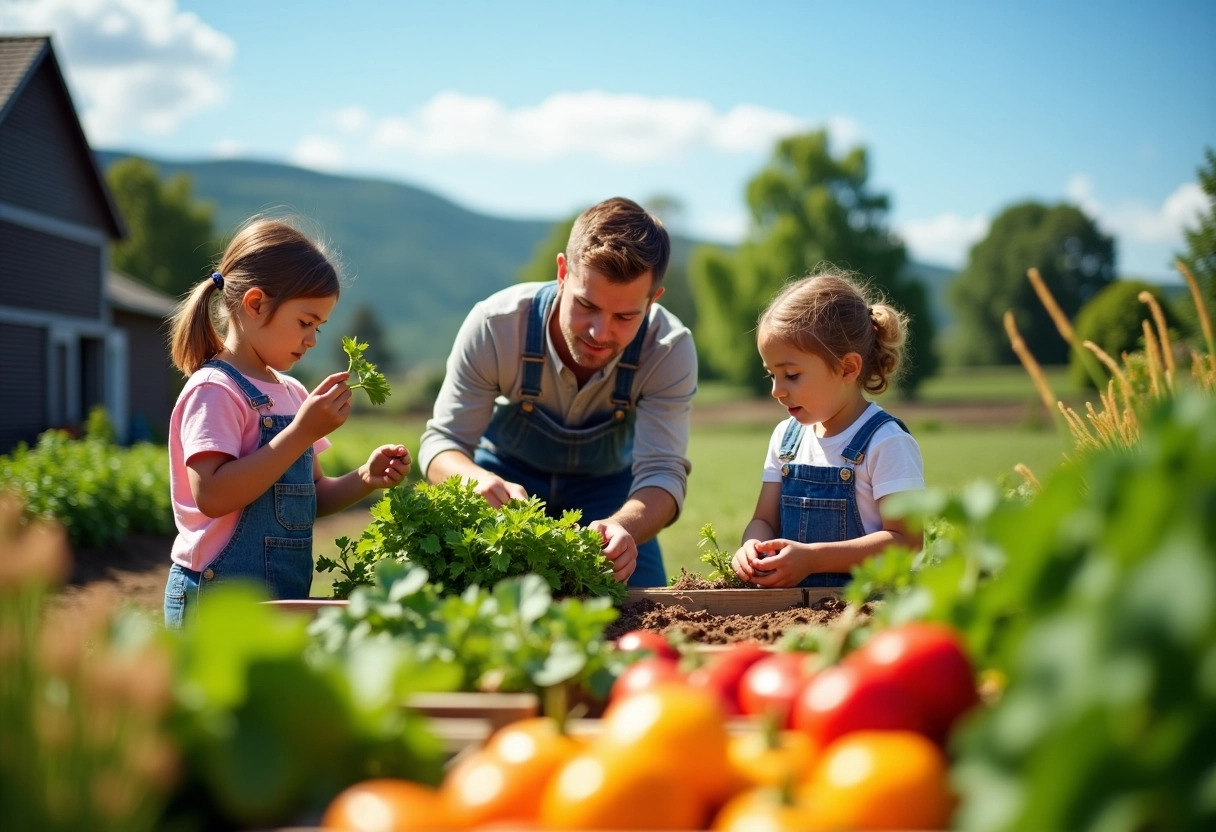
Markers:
504,780
762,810
386,805
676,728
614,788
761,758
880,780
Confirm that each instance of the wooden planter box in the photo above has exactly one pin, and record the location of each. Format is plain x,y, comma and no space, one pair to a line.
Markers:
732,601
310,606
713,601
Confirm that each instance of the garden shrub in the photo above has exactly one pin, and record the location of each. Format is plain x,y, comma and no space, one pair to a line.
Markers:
99,491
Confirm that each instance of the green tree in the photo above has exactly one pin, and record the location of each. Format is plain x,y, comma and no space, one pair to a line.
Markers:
170,241
1112,320
543,264
807,208
1075,259
365,326
1200,256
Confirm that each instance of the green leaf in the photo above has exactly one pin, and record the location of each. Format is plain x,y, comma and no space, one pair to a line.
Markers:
364,372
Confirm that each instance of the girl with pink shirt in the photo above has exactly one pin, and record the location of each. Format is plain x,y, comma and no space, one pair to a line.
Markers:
246,484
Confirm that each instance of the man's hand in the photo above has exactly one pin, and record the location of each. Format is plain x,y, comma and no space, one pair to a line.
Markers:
497,491
619,548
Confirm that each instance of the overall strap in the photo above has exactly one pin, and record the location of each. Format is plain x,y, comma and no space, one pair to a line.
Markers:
257,399
534,341
627,367
856,451
789,442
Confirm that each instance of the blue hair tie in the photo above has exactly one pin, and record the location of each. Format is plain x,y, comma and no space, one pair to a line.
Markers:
218,280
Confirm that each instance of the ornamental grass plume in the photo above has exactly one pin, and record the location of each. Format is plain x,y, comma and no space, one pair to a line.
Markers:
1135,384
82,744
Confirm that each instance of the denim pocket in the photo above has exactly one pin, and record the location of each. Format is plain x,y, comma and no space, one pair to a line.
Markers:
289,567
295,505
175,598
814,519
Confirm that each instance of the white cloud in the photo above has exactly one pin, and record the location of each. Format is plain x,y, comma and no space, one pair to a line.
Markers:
350,119
1138,221
727,228
617,127
945,239
318,153
228,149
132,64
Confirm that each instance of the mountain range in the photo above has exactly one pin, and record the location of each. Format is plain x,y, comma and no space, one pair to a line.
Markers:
417,259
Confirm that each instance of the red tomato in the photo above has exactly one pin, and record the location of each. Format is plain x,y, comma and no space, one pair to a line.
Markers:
771,685
656,643
929,662
723,671
849,697
645,674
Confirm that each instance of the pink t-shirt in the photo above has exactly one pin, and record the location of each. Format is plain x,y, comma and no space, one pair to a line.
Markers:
212,414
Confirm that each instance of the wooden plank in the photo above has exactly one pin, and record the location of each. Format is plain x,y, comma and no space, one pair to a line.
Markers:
722,601
816,594
311,606
495,709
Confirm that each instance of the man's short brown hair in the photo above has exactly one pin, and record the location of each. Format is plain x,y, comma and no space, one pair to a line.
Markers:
621,240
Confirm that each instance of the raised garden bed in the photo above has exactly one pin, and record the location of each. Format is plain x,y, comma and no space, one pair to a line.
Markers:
704,615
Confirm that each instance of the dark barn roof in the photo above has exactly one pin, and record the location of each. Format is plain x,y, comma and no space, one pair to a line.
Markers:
21,57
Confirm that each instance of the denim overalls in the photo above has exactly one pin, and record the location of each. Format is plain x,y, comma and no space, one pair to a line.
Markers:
584,468
819,502
272,543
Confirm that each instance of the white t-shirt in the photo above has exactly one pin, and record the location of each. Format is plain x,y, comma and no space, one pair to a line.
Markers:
892,461
212,414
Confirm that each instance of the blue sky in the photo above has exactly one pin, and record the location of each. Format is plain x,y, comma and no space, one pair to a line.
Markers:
537,109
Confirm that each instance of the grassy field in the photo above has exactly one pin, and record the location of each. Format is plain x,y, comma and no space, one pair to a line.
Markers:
727,456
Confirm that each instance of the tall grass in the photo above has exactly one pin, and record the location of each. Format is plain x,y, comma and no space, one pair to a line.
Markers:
1137,381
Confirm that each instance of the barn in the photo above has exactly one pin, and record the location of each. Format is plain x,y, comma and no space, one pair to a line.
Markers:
73,334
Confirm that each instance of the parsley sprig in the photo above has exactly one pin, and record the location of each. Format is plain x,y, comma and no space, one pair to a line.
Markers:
365,372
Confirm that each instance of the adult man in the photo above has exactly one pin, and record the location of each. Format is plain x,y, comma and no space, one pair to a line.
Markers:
578,392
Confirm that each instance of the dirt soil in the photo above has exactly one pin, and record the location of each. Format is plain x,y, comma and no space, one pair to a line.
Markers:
704,628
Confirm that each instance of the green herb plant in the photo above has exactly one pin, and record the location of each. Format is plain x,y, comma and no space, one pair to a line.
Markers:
510,638
452,532
100,492
364,372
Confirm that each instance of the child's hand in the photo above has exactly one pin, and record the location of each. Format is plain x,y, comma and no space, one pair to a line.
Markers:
779,563
742,562
387,466
326,408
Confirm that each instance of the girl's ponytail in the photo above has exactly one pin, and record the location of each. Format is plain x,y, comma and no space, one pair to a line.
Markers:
890,337
193,339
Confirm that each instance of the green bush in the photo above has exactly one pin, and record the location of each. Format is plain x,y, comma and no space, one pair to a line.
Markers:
99,491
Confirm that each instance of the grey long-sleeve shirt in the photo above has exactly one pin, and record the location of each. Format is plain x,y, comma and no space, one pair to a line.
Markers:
484,368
